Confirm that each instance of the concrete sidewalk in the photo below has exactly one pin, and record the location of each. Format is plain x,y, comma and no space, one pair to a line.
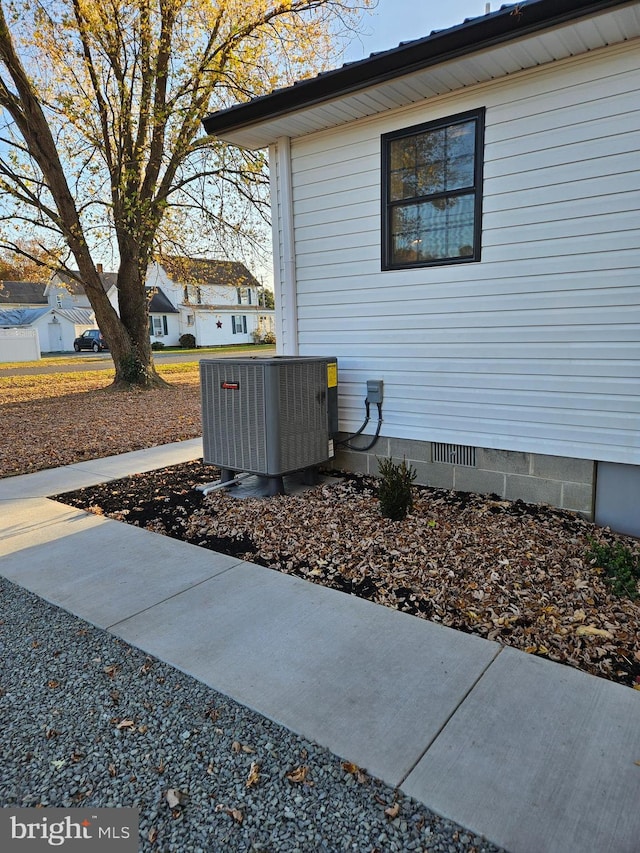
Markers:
535,756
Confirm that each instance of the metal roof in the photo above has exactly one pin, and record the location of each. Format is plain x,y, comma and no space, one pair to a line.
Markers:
516,37
77,316
21,316
159,302
25,292
28,316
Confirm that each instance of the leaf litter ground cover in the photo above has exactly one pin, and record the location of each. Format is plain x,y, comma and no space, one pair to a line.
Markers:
512,572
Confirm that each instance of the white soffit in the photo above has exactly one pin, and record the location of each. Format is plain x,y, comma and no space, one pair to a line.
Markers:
572,39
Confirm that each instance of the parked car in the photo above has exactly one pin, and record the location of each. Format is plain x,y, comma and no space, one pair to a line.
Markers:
91,339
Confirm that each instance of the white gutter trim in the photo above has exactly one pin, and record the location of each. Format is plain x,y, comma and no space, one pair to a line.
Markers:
287,333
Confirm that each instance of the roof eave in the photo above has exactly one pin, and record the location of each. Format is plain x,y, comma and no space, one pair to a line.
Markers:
509,23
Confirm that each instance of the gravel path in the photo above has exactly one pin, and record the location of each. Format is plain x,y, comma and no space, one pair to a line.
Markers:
90,721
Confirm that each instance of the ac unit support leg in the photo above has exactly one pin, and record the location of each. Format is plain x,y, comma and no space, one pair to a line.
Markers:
270,486
311,476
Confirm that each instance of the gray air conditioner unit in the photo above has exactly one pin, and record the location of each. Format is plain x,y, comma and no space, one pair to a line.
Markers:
268,416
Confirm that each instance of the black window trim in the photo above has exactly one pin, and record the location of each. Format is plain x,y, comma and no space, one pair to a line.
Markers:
387,205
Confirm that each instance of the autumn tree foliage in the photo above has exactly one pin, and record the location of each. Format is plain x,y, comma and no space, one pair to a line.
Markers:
101,139
27,262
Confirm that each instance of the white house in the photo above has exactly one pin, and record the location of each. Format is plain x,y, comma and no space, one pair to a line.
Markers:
459,217
219,302
65,291
32,306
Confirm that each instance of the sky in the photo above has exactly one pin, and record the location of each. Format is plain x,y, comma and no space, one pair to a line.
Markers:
394,21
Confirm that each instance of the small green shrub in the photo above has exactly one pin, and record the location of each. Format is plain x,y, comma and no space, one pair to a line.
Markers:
394,491
620,565
157,345
187,341
268,338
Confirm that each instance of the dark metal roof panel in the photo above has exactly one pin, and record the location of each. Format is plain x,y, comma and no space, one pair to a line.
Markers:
160,303
25,292
508,24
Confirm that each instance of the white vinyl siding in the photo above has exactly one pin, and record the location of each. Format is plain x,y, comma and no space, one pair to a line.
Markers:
535,348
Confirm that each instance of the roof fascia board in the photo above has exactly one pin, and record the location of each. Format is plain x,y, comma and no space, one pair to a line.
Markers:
507,24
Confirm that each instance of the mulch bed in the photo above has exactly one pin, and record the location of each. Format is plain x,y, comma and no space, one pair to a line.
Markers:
512,572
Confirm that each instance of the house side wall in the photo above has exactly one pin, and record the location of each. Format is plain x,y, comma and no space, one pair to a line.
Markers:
59,297
172,336
533,350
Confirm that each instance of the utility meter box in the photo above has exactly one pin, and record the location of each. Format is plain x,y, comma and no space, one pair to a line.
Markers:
269,416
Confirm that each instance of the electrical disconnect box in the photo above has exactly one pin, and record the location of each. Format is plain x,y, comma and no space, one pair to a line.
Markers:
268,416
375,390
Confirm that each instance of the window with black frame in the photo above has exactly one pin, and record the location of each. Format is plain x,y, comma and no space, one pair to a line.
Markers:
432,192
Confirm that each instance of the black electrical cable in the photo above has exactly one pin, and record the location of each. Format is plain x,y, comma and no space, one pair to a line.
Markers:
362,428
345,441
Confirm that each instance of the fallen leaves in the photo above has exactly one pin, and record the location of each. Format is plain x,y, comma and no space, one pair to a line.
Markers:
236,814
298,775
393,811
354,770
592,631
236,746
511,572
69,418
254,775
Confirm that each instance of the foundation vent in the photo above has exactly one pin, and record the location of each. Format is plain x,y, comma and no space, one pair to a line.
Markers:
453,454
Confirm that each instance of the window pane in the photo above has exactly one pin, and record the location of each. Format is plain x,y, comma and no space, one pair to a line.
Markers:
431,162
405,234
460,155
403,169
433,231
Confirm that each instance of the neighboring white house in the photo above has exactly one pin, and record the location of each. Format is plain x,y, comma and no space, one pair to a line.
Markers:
24,305
219,302
459,217
65,291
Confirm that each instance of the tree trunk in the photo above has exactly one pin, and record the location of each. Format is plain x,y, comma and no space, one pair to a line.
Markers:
127,334
131,351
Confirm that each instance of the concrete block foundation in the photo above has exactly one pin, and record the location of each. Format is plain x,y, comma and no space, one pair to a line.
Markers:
532,477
